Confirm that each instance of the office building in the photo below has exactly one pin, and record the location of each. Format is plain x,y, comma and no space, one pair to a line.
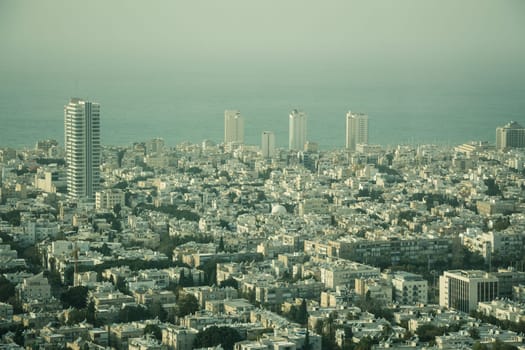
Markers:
356,130
512,135
82,145
233,127
268,144
297,130
462,290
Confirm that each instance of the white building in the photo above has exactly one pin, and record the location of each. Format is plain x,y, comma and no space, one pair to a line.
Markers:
233,126
462,290
82,145
356,130
268,144
297,130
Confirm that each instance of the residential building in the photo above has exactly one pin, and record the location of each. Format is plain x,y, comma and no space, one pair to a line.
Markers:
108,198
233,127
343,273
178,338
268,144
36,287
82,145
409,288
297,130
356,130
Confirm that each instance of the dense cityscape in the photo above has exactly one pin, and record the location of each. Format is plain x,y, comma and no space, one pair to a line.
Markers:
226,245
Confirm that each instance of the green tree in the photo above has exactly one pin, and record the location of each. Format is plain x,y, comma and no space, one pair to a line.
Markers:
76,316
7,289
220,248
74,297
229,282
153,330
428,332
187,305
213,336
302,313
117,208
133,313
157,310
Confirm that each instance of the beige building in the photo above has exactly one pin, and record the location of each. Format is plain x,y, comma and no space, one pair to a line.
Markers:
409,288
107,199
178,338
344,273
36,287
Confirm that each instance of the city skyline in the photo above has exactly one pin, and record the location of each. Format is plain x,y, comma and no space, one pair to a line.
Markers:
246,175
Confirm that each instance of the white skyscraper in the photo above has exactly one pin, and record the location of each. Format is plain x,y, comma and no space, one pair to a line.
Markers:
297,131
233,126
356,130
268,144
82,145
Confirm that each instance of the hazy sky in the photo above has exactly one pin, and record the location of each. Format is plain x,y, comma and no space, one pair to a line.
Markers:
387,39
422,69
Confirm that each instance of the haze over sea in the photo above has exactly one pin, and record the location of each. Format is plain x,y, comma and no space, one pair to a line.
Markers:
442,72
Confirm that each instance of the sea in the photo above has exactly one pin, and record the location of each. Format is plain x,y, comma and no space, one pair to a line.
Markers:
138,108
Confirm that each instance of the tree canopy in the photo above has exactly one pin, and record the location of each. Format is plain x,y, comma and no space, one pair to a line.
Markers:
213,336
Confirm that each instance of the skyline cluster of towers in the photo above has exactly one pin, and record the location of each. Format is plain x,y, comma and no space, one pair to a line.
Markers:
83,147
356,131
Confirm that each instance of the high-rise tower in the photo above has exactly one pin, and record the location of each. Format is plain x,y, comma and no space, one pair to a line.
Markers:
512,135
356,130
82,145
233,126
297,131
268,144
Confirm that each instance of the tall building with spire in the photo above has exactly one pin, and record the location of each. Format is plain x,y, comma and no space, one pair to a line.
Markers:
82,146
233,126
356,130
297,130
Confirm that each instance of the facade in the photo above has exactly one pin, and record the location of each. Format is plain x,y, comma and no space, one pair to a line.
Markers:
512,135
233,127
180,338
462,290
503,309
34,288
268,144
297,130
82,145
107,199
344,273
409,288
356,130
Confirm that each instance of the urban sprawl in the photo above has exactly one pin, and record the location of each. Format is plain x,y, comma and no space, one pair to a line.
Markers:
234,246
